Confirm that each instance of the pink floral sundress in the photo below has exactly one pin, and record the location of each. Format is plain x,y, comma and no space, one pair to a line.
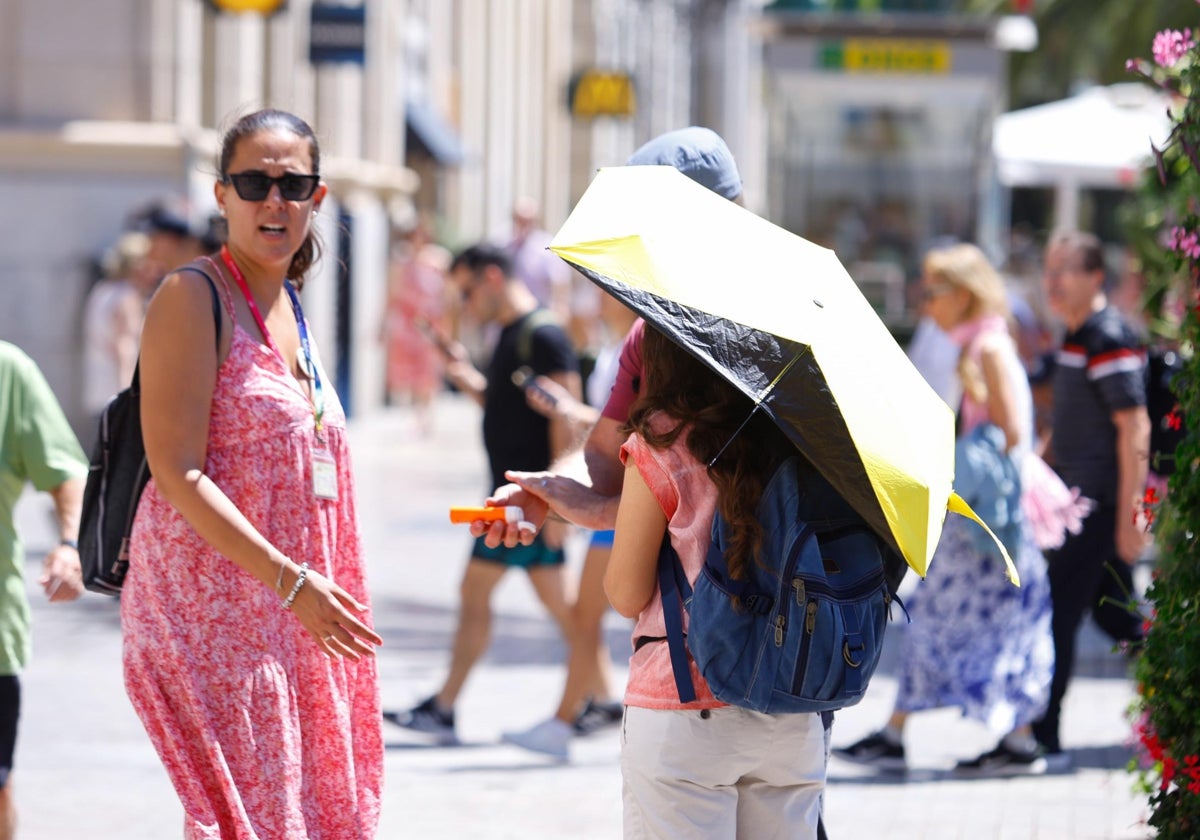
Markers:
263,737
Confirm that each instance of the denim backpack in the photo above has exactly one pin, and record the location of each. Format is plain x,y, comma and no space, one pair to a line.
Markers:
807,627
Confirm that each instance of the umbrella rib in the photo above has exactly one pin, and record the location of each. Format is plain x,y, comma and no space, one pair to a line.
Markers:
758,401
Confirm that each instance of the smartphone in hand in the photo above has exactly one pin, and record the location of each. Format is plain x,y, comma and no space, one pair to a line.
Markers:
523,378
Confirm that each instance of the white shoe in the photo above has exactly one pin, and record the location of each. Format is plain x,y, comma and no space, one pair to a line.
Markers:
550,737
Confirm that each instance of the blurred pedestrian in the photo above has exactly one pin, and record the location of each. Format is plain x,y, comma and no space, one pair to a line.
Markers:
1099,443
702,768
266,719
586,704
414,320
112,321
543,272
975,641
175,240
515,436
932,353
38,446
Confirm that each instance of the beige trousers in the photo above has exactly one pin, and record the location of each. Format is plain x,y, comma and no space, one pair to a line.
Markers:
724,774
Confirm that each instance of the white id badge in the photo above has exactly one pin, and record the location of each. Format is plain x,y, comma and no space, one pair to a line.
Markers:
324,474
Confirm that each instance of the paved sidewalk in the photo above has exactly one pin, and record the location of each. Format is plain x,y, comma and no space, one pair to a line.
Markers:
86,770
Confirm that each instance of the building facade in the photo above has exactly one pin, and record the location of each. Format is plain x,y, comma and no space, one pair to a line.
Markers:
453,108
107,105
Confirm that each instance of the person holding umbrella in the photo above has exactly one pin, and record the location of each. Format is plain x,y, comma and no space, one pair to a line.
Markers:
703,768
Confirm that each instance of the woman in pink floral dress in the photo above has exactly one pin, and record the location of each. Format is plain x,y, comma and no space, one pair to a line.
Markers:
249,655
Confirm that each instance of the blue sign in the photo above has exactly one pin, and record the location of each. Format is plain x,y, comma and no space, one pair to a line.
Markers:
337,34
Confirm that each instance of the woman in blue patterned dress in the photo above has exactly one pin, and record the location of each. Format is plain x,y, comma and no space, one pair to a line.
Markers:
976,641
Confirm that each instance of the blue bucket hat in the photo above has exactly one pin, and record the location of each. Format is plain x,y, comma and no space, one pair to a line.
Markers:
698,153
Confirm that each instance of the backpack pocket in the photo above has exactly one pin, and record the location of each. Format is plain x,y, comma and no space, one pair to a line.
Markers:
836,614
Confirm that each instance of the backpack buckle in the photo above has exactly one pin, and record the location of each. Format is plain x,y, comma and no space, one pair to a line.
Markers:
758,604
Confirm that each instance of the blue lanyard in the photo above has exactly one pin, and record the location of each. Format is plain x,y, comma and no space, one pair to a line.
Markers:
306,348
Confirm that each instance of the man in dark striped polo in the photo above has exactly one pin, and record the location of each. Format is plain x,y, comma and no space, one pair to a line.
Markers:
1100,444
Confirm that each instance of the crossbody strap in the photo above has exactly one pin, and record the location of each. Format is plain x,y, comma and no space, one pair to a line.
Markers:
135,385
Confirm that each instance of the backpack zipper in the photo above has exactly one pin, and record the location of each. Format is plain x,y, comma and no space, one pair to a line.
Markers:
815,588
789,574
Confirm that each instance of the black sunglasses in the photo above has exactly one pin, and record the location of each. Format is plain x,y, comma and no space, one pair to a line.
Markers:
255,185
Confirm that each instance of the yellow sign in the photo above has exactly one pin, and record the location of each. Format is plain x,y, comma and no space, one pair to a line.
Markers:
599,93
262,7
884,55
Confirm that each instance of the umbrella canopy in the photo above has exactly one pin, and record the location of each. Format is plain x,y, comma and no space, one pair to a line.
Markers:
781,319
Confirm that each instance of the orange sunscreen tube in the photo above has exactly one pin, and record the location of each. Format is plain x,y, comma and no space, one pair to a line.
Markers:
467,515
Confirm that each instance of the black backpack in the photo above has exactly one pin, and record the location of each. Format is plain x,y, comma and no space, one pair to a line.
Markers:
117,474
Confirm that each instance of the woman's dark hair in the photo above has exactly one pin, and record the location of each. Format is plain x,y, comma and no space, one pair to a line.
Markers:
681,386
270,119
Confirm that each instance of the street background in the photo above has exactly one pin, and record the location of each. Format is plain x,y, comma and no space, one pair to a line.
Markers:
85,769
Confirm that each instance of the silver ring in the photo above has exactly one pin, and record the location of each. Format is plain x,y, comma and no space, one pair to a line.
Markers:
327,638
543,483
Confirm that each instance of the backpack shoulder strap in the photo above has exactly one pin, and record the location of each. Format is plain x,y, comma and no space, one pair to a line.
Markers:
216,300
534,321
675,590
135,384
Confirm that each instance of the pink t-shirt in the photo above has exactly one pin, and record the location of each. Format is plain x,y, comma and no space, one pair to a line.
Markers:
672,475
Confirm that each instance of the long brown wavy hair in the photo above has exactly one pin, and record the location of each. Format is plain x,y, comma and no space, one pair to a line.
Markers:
711,410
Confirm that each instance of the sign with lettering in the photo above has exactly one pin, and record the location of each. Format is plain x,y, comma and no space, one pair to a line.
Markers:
602,93
886,55
262,7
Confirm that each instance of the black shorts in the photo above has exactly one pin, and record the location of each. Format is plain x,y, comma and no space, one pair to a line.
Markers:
10,711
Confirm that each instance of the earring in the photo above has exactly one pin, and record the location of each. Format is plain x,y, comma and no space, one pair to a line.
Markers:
222,212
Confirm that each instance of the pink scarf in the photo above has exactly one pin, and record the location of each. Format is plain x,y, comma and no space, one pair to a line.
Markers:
968,335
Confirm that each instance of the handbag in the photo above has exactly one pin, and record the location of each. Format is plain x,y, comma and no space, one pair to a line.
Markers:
117,474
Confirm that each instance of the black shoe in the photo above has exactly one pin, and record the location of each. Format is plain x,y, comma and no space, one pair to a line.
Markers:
1003,761
427,717
875,750
596,716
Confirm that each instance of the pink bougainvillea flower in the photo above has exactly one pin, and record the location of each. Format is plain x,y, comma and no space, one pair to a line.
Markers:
1184,241
1171,45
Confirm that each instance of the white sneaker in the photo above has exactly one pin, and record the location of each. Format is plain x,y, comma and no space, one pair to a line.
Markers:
550,737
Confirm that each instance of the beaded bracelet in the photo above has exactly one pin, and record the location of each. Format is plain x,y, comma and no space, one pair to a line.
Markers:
297,586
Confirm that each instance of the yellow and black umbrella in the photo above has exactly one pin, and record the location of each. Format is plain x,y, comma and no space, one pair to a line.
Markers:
781,319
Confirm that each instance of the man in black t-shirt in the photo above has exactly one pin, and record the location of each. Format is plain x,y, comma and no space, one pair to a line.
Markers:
515,437
1099,443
